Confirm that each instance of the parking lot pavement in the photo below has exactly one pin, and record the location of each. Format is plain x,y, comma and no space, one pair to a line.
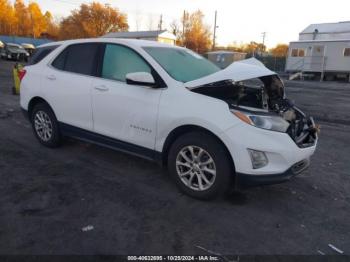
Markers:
48,195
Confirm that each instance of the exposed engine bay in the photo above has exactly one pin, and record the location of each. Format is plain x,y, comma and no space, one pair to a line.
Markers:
264,95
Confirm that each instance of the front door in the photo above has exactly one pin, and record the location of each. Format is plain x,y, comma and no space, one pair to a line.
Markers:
122,111
317,58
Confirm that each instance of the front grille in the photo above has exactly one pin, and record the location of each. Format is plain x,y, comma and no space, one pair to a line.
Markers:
303,132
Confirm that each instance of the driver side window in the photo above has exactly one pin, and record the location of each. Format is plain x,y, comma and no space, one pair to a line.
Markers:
118,61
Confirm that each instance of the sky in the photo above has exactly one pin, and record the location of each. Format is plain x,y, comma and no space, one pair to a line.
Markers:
238,21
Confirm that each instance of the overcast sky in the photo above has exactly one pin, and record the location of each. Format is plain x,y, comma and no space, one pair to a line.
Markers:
238,21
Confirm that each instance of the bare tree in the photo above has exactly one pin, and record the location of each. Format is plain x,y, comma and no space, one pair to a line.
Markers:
138,20
151,22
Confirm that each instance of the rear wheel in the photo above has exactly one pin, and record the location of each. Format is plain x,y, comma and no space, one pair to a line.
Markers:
45,125
200,166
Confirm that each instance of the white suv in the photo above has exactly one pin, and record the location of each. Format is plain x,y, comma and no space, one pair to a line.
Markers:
214,129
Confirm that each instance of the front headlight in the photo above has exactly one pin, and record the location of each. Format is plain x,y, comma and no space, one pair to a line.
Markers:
273,123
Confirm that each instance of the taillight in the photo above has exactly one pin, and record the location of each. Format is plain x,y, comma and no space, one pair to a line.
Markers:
21,74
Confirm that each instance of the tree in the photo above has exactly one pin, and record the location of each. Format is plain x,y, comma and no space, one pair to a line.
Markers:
23,24
92,20
7,18
175,29
196,35
52,28
281,50
38,22
254,48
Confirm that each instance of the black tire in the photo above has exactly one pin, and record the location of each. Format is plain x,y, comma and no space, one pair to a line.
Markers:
224,168
55,139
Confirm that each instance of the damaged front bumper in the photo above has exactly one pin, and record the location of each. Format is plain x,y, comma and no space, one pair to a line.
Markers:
285,158
245,180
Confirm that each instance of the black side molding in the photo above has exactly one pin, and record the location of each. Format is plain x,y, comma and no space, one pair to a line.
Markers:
115,144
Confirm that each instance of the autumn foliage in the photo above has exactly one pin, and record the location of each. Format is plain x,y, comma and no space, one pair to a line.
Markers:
90,20
281,50
21,20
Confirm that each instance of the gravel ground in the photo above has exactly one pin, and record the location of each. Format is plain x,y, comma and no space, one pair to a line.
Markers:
48,196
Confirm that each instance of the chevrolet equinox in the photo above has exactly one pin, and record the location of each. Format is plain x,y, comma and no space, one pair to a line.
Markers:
214,129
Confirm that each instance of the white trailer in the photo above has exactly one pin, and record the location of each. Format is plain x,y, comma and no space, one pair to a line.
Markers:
322,49
324,57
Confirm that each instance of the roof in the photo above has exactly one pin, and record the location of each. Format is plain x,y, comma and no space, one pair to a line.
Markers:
340,27
141,34
131,42
321,41
13,44
224,52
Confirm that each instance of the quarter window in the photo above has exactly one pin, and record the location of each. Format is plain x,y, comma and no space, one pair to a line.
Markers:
78,58
347,51
40,53
120,60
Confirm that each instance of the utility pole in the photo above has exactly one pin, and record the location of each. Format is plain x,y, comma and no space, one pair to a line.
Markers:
263,36
183,23
183,28
160,23
214,35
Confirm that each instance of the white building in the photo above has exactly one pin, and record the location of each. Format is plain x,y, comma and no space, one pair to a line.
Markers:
322,50
162,36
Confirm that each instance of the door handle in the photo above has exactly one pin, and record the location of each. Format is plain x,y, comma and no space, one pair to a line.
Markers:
51,77
101,88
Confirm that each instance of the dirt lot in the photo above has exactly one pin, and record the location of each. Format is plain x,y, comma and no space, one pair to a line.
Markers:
47,196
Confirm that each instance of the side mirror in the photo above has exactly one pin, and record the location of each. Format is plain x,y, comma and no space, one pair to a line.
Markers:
141,79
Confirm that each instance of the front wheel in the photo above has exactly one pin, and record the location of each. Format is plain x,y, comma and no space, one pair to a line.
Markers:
200,165
45,125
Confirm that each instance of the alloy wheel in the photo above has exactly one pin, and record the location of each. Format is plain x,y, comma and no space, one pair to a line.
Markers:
43,125
196,168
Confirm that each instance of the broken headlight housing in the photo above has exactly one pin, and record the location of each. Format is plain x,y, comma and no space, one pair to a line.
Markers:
269,122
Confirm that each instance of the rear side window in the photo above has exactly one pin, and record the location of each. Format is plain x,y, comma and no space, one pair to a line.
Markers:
120,60
40,53
78,58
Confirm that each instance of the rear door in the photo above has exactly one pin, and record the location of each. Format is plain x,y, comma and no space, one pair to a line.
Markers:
120,110
67,84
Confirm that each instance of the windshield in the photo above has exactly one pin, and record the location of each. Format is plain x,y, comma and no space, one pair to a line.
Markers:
182,64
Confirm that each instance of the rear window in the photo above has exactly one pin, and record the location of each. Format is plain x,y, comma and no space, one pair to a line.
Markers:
40,53
78,58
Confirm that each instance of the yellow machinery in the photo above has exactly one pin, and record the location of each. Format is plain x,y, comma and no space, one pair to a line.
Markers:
17,76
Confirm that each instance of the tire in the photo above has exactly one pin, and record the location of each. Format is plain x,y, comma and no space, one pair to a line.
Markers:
50,136
219,184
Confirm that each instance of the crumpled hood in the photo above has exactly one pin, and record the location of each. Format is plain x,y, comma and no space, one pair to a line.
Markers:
237,71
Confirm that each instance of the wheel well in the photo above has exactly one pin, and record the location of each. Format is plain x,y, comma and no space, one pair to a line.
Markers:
33,102
179,131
